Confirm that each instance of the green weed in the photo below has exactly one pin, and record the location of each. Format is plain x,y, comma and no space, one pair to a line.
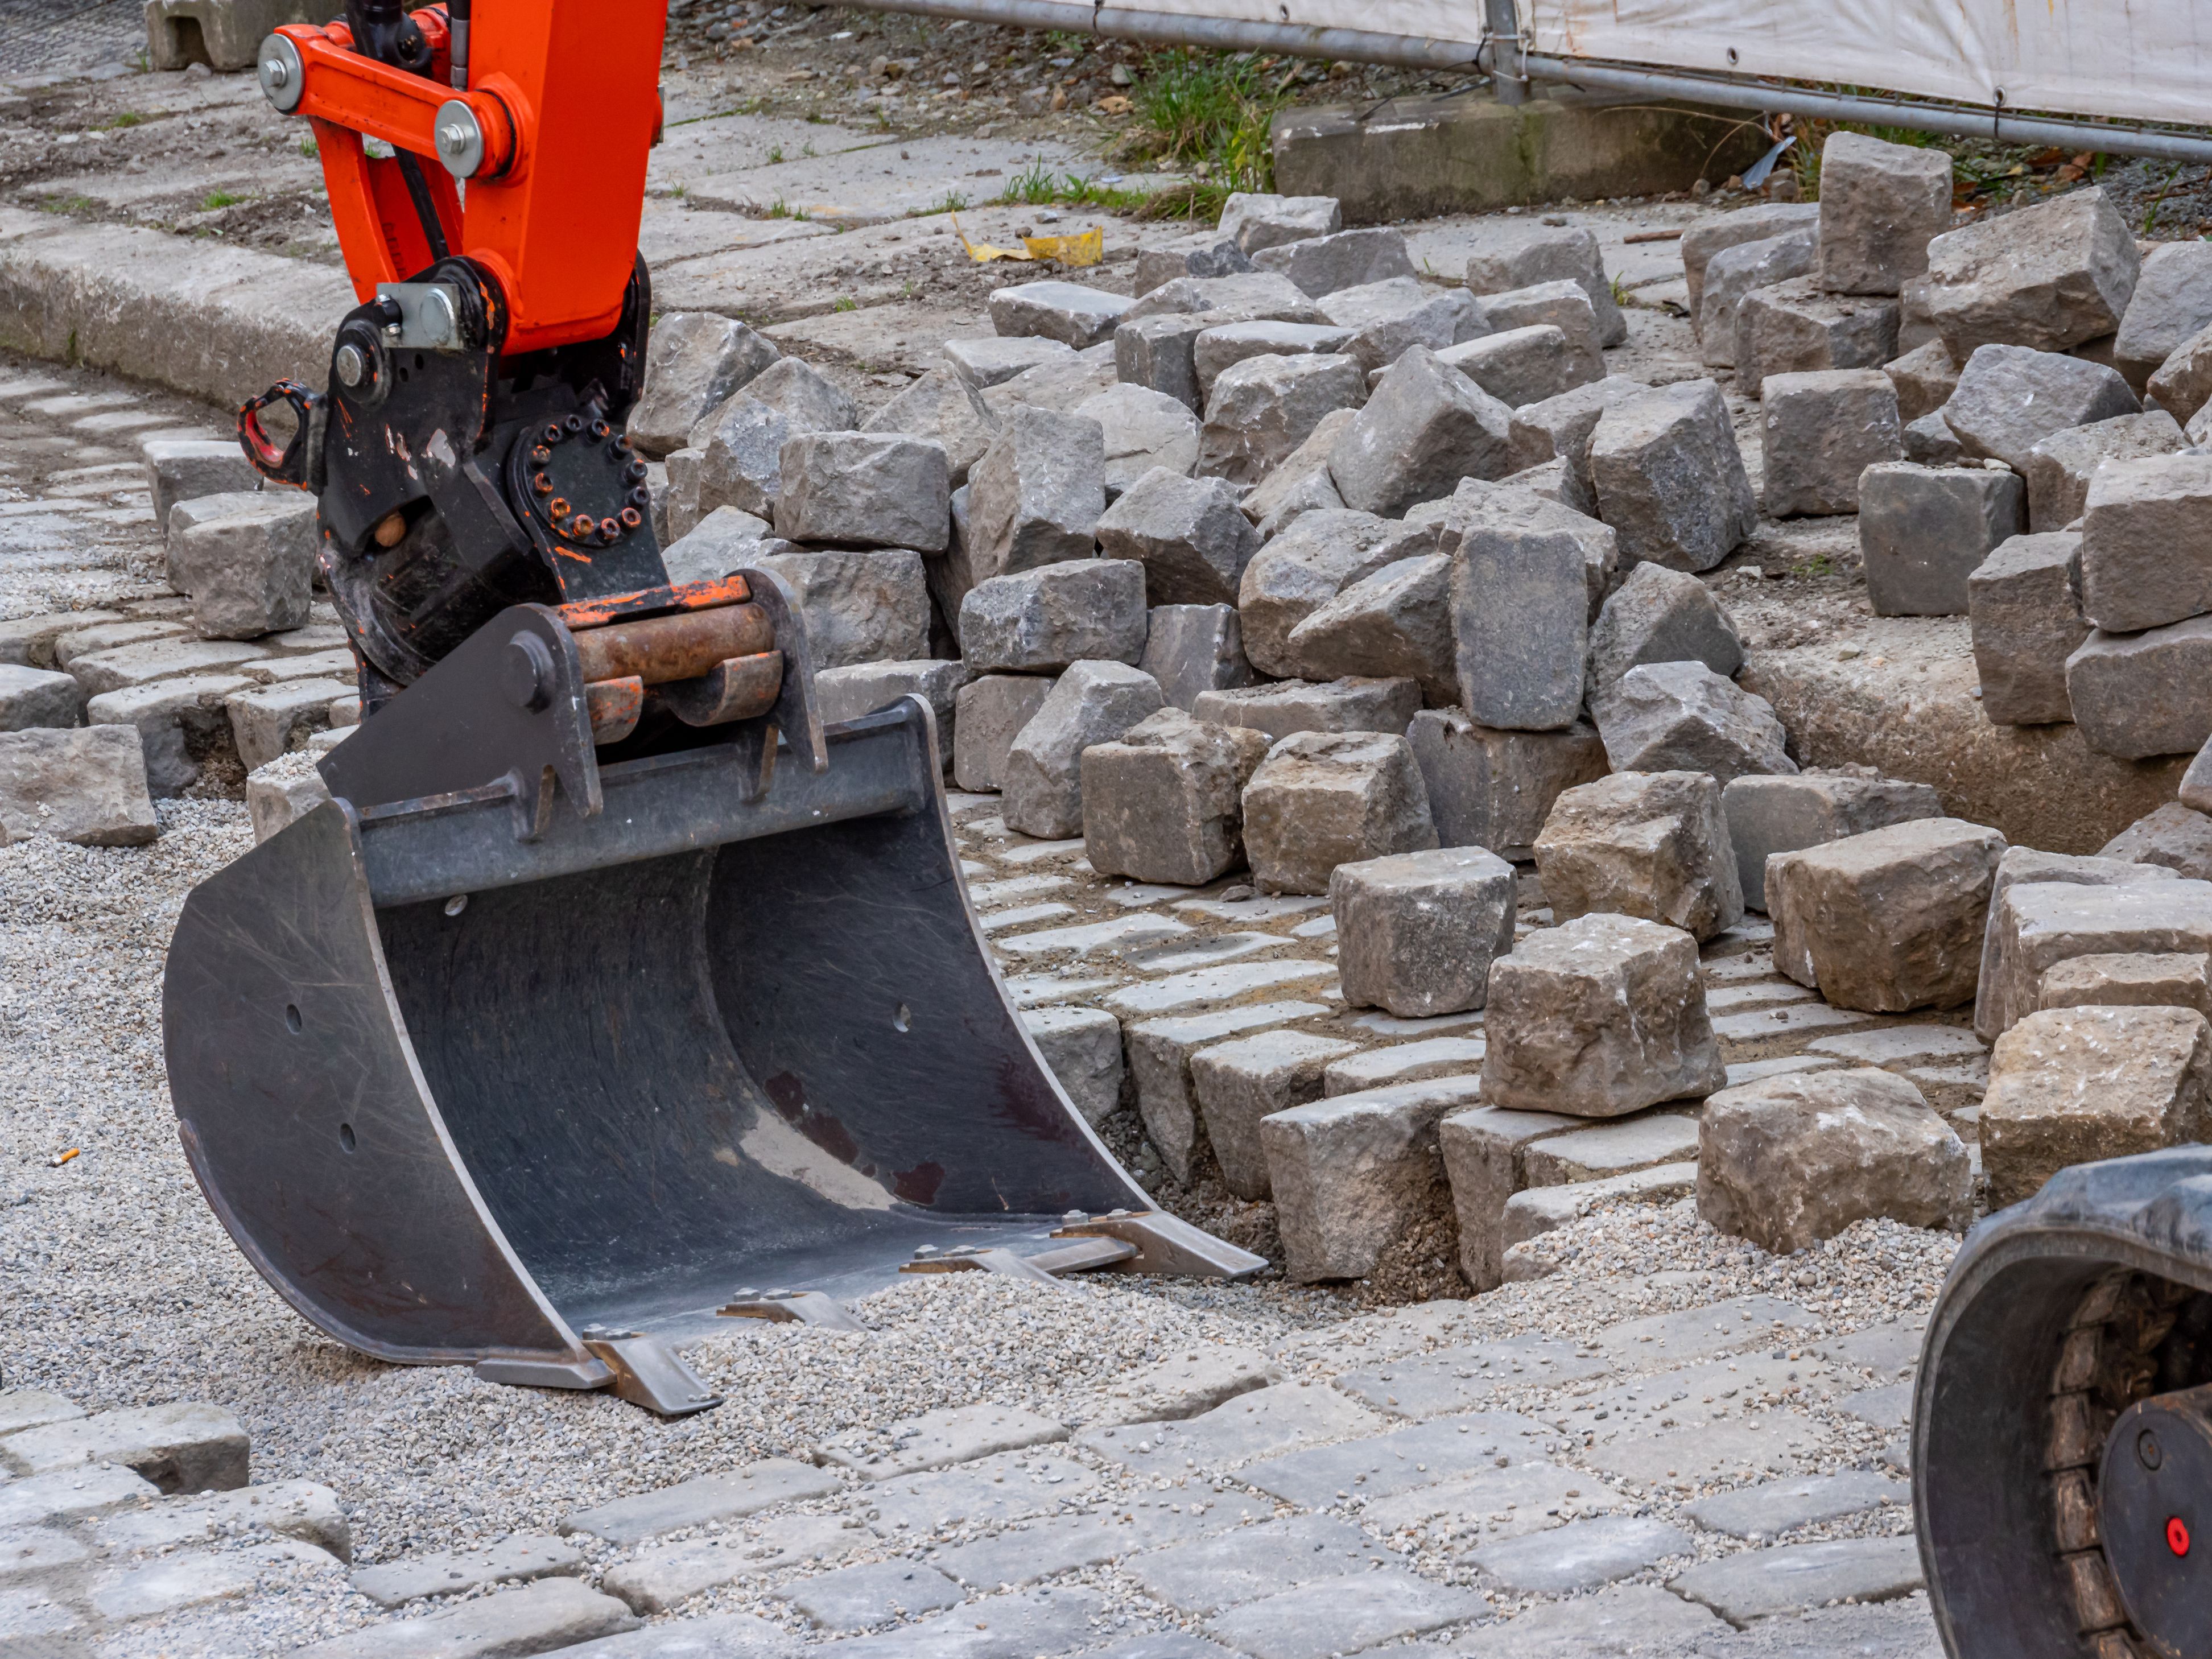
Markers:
220,198
845,303
774,153
951,202
128,119
1210,114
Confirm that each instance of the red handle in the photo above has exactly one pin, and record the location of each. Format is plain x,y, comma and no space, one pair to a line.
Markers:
288,464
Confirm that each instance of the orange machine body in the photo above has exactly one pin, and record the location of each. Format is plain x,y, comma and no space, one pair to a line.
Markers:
566,93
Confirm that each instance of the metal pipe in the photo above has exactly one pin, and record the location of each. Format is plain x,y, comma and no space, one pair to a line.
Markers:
457,35
1458,57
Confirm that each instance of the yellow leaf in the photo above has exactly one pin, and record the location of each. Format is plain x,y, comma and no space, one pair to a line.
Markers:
1088,249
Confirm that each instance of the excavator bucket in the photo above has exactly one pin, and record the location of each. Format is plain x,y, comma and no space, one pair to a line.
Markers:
472,1074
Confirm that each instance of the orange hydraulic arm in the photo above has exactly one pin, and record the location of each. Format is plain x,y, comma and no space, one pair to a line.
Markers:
531,162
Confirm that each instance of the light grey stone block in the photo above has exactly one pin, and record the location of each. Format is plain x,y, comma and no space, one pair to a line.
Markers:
553,1612
1599,1018
1675,716
2171,302
1386,318
2025,616
1521,365
1649,844
1881,205
1425,428
1322,798
719,543
1821,430
879,490
1762,1583
992,361
1768,814
1924,529
186,1447
993,708
1798,327
2058,468
1925,377
1164,801
1342,259
1493,788
1194,649
1083,1047
180,469
249,573
1660,616
1159,353
1263,408
1258,294
1188,534
1229,343
1203,253
1242,1081
1713,235
1072,313
1254,221
1285,708
1581,1555
1301,570
1092,702
1929,441
858,606
37,696
1523,255
1300,484
86,785
1669,478
1041,621
1521,609
1561,305
848,693
943,407
1144,430
2175,835
181,723
1739,269
694,362
2138,695
266,720
2044,277
1035,497
2030,933
1417,931
1159,1052
1394,623
2144,557
2009,398
1355,1176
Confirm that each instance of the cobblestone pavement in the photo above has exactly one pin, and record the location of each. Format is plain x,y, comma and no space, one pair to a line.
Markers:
41,37
1669,1435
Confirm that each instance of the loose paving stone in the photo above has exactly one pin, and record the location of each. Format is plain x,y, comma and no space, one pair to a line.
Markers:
1187,534
1263,409
1484,1158
2074,1086
2146,981
553,1612
248,571
1791,1161
878,489
1041,621
1345,259
1456,1380
1240,1082
1767,814
1164,802
992,710
2048,926
1673,716
1763,1513
1227,343
1092,702
2058,468
1525,254
1900,1045
1284,708
1799,327
1581,1555
2027,621
2140,563
1247,1563
2138,695
1648,844
1194,648
1258,294
943,407
1561,305
1300,484
854,1598
1041,1549
1075,315
182,469
703,1501
1386,319
1203,253
1660,616
1394,623
1420,930
2009,398
2183,383
1035,496
1821,431
1598,1017
1160,354
1521,365
1880,204
1560,429
1252,1425
1923,531
1342,1615
1670,479
1764,262
2049,277
1354,1174
992,361
991,1491
1324,799
1494,789
1082,1047
660,1579
1889,920
1716,233
1925,378
1520,607
1611,1149
267,721
2171,302
694,361
395,1583
38,697
1208,988
1625,1618
1762,1583
1254,221
186,1447
1159,1052
1424,429
1301,570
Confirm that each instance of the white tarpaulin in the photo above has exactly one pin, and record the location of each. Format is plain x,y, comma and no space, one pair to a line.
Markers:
2125,60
